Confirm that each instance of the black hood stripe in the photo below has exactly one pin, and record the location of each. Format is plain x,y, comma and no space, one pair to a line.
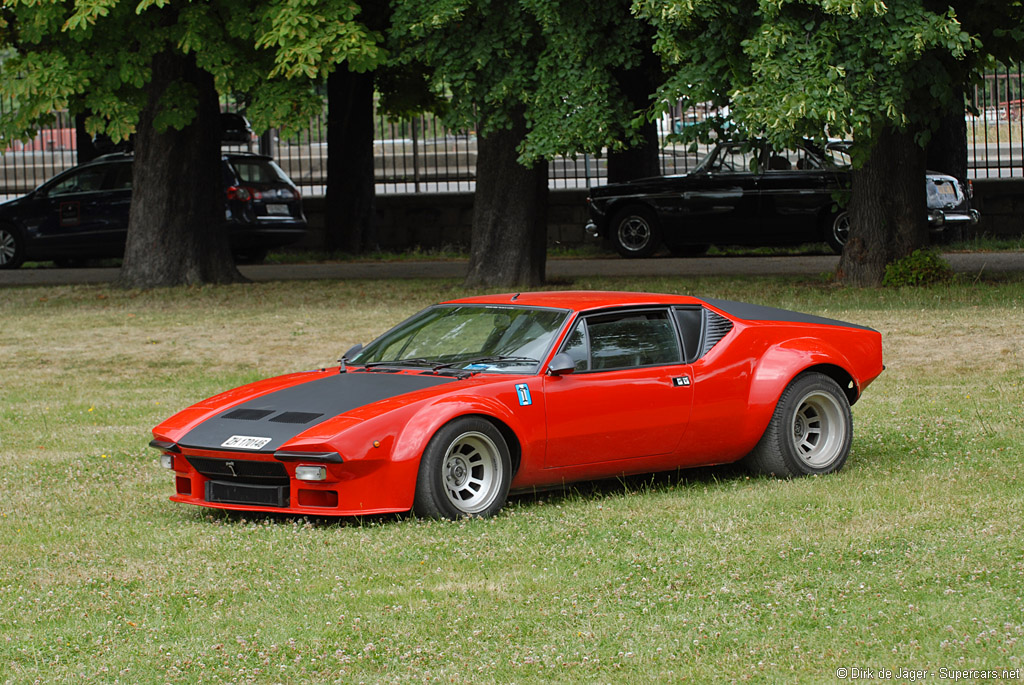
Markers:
282,415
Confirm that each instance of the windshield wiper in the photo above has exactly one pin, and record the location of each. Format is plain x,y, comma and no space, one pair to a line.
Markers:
415,361
492,359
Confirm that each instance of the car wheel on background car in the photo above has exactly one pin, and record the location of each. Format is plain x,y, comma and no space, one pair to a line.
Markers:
635,232
12,248
809,433
465,471
838,231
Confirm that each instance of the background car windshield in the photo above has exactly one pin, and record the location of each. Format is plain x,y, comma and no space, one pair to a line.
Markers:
460,334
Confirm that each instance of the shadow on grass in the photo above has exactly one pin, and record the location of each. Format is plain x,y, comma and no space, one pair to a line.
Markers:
556,494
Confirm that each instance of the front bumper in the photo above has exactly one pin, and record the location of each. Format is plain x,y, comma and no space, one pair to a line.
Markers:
259,482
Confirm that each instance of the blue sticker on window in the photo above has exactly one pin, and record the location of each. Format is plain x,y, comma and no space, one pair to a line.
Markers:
523,390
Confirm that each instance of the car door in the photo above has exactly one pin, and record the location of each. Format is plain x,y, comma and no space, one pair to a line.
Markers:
630,395
721,199
796,190
80,214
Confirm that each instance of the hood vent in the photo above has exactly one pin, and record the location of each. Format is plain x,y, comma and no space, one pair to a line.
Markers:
296,417
248,414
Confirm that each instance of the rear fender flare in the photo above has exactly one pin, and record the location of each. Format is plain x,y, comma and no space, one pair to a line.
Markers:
780,364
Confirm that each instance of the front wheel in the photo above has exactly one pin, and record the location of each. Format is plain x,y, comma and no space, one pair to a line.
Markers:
810,432
465,471
635,232
12,248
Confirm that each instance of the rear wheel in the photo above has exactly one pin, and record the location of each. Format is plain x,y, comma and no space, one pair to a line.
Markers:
635,232
12,248
810,432
465,471
838,231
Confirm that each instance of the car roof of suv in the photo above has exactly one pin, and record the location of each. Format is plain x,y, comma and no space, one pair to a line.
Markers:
127,157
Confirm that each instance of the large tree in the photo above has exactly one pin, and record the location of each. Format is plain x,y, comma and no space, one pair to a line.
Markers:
152,70
534,79
881,73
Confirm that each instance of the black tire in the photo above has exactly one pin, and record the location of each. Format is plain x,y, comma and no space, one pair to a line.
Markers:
465,471
635,232
810,432
12,248
837,231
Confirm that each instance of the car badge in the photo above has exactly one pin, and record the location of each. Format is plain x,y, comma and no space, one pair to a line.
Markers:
523,390
231,467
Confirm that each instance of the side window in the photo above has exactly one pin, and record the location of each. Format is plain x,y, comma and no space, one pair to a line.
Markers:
735,159
691,321
577,348
624,340
83,181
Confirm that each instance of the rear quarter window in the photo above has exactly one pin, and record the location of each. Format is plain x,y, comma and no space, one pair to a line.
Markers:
258,171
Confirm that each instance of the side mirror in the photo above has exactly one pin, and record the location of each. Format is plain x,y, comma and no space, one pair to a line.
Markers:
561,364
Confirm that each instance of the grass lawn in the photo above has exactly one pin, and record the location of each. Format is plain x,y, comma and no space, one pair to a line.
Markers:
911,557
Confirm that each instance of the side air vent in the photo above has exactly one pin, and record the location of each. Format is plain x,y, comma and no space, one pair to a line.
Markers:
716,327
248,414
295,417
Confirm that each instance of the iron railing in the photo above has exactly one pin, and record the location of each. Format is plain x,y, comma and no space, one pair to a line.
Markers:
421,155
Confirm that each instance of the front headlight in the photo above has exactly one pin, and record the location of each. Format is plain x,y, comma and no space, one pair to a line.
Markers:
310,473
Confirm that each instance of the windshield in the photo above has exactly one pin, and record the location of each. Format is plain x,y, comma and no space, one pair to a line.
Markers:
494,338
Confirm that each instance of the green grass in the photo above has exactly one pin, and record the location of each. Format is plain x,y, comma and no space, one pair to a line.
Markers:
910,557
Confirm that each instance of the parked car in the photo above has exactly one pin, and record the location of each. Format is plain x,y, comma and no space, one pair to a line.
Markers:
452,409
747,193
82,213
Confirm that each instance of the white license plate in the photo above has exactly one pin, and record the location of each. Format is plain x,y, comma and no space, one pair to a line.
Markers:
245,442
278,210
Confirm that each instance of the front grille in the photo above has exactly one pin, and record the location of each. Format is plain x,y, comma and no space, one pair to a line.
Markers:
241,470
242,493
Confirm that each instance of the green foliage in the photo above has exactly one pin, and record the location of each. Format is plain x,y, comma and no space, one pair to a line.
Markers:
813,68
95,57
920,268
559,61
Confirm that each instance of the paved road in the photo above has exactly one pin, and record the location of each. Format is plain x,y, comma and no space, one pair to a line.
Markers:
995,262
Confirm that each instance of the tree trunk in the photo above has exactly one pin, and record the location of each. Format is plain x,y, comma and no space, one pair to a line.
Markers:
350,203
176,230
888,210
641,161
637,85
947,150
509,239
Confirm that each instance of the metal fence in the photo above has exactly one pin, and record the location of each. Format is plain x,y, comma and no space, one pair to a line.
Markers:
421,155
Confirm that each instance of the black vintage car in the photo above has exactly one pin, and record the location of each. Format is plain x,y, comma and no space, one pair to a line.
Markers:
746,193
82,213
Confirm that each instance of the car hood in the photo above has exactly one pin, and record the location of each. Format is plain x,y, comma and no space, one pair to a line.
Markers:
269,420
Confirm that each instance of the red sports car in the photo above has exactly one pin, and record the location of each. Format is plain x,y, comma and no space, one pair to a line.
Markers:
452,409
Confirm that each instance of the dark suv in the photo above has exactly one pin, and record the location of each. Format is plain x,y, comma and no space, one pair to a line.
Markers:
82,213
